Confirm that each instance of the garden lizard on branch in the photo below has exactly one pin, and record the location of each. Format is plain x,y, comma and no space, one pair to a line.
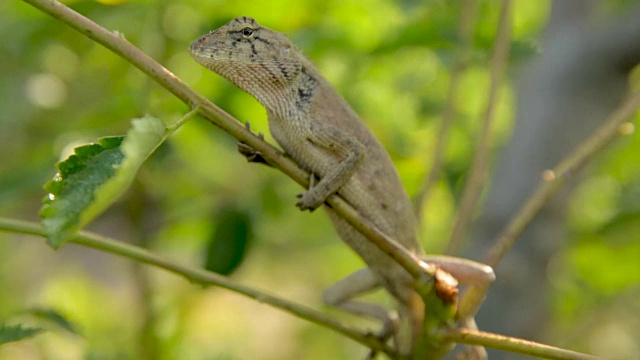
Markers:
318,129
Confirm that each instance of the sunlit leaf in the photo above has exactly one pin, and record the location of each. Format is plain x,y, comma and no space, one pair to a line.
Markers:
94,177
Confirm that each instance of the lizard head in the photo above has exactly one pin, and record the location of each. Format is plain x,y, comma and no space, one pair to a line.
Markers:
251,56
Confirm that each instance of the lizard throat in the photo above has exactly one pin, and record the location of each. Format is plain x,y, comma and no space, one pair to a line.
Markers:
282,99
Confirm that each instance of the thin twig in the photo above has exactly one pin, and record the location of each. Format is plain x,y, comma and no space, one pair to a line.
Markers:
203,277
463,53
521,346
116,43
478,174
552,181
555,178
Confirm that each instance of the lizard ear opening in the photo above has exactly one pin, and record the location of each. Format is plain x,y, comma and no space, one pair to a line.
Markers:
286,50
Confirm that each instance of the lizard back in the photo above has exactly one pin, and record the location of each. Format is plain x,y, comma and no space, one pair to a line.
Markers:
297,97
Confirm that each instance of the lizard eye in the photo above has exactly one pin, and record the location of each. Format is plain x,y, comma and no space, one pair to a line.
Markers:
246,31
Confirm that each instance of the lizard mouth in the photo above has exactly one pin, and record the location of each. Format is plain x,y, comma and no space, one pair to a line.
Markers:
206,55
197,49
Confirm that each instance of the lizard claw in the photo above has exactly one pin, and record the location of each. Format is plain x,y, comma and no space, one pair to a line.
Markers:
251,154
389,328
309,199
247,125
306,202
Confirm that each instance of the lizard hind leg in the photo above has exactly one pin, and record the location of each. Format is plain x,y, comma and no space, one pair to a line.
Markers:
359,283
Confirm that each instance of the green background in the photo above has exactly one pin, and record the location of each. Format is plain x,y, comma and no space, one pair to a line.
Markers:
390,59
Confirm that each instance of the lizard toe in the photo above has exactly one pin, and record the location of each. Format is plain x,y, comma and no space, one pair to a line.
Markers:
306,202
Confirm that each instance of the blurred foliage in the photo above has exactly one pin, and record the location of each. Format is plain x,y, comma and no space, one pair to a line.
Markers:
16,333
390,59
53,317
229,242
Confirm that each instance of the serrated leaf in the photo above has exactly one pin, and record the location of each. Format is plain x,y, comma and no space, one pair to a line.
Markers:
94,177
229,242
9,333
71,191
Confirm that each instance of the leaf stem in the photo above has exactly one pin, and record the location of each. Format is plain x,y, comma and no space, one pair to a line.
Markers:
186,117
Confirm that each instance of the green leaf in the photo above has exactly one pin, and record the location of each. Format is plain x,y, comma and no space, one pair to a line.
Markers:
54,317
229,242
94,177
9,333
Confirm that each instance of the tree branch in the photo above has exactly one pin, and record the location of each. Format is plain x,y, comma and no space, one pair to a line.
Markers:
478,174
553,179
203,277
463,52
521,346
196,275
116,42
615,125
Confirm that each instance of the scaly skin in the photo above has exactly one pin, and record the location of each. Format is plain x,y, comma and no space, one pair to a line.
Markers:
319,130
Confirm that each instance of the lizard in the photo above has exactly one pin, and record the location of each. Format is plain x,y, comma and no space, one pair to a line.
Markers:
318,129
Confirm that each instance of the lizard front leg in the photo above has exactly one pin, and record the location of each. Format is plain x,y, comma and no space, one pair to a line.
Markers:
343,145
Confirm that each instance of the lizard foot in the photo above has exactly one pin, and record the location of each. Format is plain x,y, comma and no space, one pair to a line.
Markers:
252,155
389,328
309,199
